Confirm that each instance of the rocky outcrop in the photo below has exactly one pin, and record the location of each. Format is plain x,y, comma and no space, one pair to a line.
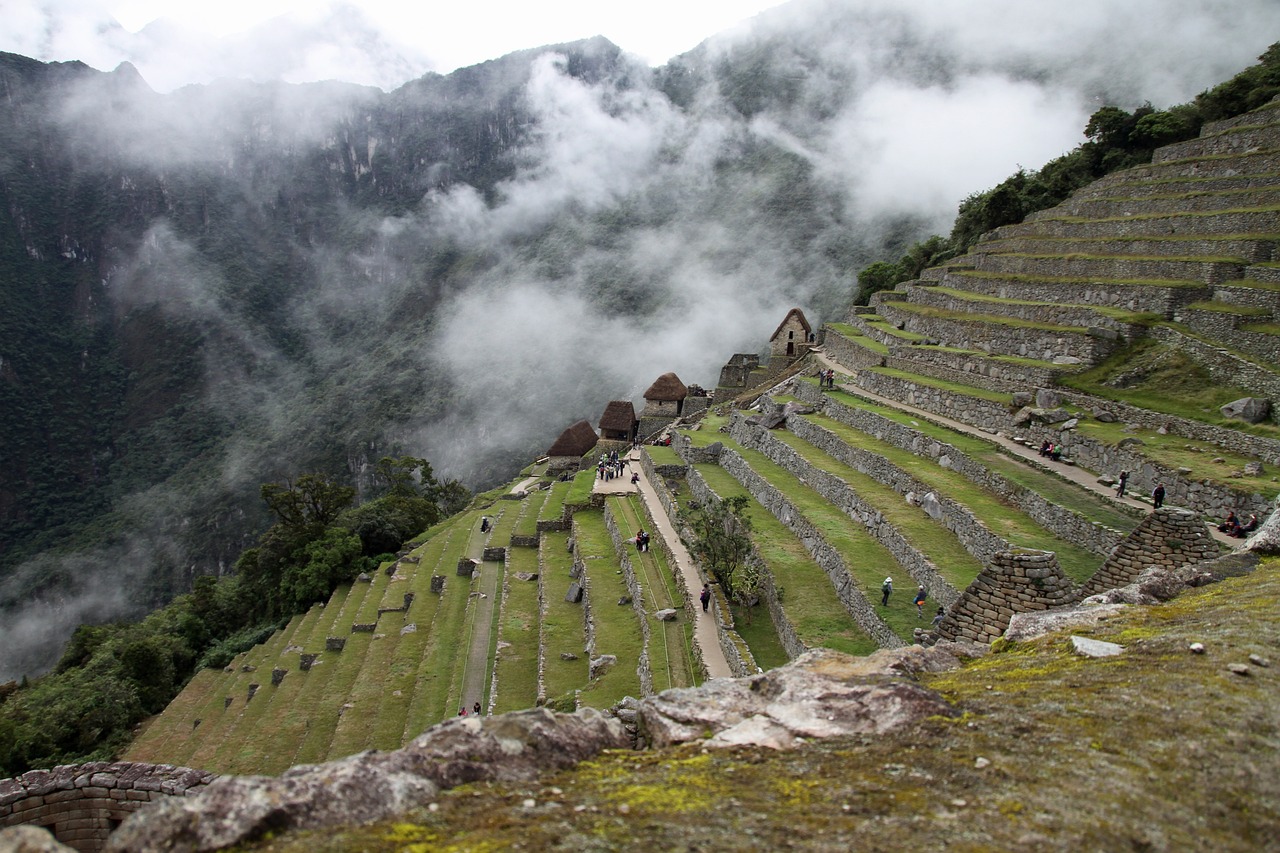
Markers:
372,785
823,693
1267,538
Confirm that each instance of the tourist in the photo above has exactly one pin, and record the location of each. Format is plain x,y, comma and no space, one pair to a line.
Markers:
937,620
705,597
635,477
921,595
1248,527
885,589
1046,448
1056,453
1122,482
1157,496
476,709
1230,524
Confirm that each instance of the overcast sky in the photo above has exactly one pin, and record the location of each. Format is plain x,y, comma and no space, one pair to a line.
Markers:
377,42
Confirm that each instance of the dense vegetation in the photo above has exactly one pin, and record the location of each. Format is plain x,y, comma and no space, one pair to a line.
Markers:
111,677
1117,139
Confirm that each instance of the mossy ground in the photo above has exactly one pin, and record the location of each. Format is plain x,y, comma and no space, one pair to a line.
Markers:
1158,749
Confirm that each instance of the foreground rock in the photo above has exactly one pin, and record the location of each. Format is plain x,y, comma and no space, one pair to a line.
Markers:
372,785
822,693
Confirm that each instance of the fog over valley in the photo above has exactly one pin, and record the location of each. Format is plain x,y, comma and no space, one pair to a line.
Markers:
228,284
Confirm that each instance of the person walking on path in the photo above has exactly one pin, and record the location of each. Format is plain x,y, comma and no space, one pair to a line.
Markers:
1157,496
705,597
1121,483
885,589
921,595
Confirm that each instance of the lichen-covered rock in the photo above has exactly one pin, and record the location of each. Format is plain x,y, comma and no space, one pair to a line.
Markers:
372,785
1266,539
1028,626
30,839
823,693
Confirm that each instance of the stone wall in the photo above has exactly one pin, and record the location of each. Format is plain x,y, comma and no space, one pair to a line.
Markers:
928,293
1131,297
1167,538
827,557
736,653
1172,225
1208,498
1015,582
1251,249
1249,297
848,353
971,533
703,494
1209,272
1224,367
970,368
1024,341
1059,520
82,803
635,592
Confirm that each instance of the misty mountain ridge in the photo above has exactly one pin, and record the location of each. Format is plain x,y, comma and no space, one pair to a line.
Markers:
231,284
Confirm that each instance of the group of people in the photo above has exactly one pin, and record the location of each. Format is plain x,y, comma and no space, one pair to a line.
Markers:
1051,450
475,709
922,595
826,378
642,541
1232,526
611,465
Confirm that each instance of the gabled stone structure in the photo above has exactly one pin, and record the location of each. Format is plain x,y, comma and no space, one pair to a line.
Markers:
1169,537
1015,582
791,338
574,443
663,403
619,421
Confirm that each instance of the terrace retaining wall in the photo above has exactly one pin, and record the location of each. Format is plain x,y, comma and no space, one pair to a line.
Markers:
1015,582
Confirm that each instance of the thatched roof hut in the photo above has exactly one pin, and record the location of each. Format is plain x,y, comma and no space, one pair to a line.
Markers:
667,388
619,421
576,440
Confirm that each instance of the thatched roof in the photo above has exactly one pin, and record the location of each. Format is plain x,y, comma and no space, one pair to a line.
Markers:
666,388
619,415
576,440
804,324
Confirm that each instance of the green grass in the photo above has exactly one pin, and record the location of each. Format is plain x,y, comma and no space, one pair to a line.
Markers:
1052,488
580,489
808,599
528,523
553,508
990,319
868,561
517,658
663,455
855,337
1262,328
671,643
616,630
941,384
755,626
1003,519
1228,308
562,622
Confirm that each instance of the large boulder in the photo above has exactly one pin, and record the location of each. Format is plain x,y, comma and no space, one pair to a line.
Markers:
372,785
1266,539
1249,409
823,693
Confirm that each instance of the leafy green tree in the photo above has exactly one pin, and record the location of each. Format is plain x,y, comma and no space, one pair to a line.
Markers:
722,542
881,275
308,504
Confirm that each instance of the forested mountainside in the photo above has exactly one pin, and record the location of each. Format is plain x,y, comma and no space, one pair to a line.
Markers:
234,284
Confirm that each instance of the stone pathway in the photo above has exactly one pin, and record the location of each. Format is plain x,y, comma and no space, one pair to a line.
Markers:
1074,473
523,485
705,632
475,675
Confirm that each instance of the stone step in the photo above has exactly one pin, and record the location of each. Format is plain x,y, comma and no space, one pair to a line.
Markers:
1002,335
1231,223
1161,299
1125,184
1057,313
1197,201
1248,249
1111,266
1235,140
1229,324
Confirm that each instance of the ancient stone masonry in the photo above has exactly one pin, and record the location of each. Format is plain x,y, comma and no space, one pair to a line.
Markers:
1167,538
1015,582
1223,366
82,803
791,643
636,593
929,293
972,533
1206,497
1059,520
827,557
965,366
849,354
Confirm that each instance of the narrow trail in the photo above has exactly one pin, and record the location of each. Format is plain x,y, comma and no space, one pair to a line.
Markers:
475,675
1075,474
704,627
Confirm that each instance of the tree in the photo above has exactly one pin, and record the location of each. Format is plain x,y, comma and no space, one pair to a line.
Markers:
723,544
308,505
